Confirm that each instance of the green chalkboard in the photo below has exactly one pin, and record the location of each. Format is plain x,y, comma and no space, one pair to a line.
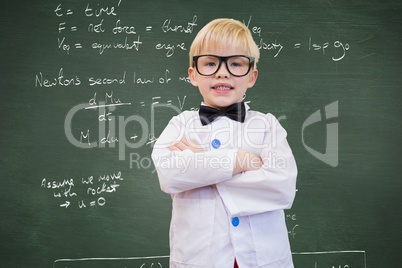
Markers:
88,86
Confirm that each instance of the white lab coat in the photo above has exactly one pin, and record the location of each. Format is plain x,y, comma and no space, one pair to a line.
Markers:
216,216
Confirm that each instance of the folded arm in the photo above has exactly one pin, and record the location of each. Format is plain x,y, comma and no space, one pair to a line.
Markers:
269,188
183,165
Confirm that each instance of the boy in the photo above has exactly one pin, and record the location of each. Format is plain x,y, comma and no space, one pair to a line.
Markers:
229,170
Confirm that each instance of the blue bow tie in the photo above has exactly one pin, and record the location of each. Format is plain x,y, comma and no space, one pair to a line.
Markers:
236,111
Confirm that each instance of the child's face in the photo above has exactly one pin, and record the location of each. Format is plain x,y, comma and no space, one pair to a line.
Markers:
222,89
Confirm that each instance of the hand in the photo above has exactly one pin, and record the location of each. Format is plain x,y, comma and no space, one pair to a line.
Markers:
246,161
186,144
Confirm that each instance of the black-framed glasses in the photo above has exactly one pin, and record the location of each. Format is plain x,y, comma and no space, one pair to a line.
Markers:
237,65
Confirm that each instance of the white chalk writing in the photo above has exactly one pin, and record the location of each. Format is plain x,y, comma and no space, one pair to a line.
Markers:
88,191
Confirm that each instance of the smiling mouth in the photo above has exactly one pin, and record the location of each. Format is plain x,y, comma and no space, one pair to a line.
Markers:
222,88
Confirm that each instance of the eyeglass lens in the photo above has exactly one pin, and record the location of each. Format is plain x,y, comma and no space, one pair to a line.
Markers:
237,65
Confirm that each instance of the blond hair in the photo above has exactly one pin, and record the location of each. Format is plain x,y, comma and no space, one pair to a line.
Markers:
224,31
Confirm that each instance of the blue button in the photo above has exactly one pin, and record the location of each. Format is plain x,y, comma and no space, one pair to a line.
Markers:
216,143
235,221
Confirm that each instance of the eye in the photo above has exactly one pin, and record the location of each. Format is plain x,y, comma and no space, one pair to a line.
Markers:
236,64
210,63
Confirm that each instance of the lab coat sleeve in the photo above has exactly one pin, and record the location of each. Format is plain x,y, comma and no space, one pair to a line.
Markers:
272,187
180,171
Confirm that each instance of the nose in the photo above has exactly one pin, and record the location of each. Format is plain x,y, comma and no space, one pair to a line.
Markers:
223,70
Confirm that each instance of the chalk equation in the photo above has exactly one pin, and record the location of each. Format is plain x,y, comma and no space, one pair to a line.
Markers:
84,192
104,19
108,22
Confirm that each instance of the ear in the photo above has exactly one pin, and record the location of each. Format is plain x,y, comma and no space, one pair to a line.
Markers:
252,78
192,74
